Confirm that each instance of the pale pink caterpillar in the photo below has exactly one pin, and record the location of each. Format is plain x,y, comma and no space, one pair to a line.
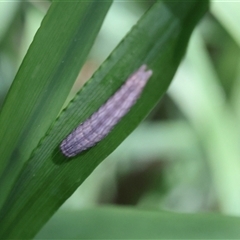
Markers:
98,126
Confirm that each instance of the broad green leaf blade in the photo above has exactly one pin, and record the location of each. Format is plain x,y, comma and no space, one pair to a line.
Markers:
126,223
44,80
159,40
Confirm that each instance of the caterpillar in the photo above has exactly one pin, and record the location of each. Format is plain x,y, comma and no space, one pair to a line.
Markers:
101,122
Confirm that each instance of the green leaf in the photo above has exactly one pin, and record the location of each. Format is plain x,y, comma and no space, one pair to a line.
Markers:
48,179
44,80
227,13
213,121
126,223
7,14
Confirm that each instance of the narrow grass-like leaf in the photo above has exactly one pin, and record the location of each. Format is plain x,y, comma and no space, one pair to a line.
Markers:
49,178
44,80
227,13
126,223
217,132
